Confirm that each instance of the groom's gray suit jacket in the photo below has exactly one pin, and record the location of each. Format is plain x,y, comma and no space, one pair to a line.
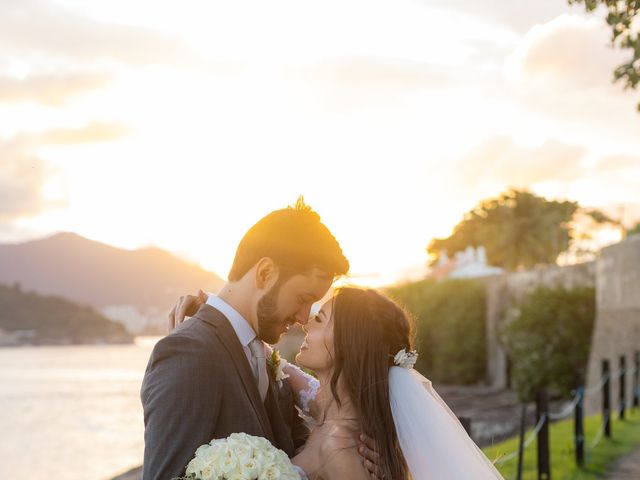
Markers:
198,386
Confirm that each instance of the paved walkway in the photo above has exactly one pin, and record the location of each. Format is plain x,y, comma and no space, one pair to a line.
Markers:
627,467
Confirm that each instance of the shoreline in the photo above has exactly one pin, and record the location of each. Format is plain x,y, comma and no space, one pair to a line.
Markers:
132,474
65,344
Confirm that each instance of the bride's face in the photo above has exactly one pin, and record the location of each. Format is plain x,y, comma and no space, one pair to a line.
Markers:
316,352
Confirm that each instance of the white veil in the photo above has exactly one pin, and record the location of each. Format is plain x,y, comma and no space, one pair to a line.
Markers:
434,443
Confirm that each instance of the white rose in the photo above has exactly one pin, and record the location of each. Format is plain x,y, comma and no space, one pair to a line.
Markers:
202,451
268,456
233,442
208,473
270,472
250,467
229,464
243,451
215,449
201,468
235,438
263,443
195,466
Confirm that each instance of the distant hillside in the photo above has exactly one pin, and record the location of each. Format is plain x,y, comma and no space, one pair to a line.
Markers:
135,286
29,318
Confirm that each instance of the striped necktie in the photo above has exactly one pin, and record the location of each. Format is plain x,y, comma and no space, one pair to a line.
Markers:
259,364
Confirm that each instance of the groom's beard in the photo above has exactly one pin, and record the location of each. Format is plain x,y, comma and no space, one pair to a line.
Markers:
270,323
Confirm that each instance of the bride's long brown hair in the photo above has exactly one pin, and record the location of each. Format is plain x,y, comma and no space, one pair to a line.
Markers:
368,330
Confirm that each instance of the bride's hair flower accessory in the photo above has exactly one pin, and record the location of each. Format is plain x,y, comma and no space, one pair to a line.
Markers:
405,359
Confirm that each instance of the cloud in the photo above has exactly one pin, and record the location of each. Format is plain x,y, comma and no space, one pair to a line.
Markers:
32,27
618,163
92,132
22,178
563,69
553,169
355,83
500,161
519,16
53,89
570,52
380,74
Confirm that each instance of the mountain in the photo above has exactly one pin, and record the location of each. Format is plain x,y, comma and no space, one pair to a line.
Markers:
29,318
136,287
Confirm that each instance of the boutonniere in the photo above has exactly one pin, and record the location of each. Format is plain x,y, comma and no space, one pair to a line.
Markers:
277,364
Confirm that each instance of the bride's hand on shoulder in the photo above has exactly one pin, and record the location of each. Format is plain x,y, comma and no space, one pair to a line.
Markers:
370,457
186,306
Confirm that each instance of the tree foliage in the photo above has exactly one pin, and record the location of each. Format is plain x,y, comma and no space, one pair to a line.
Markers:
634,230
624,19
450,328
518,230
549,339
55,319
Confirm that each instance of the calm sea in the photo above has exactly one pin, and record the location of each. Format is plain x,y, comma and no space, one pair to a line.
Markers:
71,412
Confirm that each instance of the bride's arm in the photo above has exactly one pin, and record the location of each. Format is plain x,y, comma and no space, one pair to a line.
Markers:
305,387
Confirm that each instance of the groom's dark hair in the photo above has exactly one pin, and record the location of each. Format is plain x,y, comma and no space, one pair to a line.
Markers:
295,239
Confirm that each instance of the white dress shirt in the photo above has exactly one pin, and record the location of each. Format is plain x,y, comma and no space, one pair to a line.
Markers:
240,325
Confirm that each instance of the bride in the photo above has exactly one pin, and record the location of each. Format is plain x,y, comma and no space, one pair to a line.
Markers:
359,346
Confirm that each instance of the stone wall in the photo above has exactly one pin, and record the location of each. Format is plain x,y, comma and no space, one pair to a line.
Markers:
616,277
617,329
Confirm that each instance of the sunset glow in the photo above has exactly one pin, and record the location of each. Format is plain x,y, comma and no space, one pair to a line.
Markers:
181,124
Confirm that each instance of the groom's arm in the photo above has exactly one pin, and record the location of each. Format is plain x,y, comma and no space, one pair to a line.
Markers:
181,398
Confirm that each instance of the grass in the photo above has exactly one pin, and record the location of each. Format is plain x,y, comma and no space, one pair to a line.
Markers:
625,438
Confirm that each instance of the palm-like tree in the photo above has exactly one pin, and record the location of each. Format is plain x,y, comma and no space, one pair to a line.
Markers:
518,230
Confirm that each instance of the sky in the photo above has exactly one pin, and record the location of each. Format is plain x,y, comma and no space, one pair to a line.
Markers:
180,124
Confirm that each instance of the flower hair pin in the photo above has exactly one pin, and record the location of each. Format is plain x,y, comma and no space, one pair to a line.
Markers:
405,359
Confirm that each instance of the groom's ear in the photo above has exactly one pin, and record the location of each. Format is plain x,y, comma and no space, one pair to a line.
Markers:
266,273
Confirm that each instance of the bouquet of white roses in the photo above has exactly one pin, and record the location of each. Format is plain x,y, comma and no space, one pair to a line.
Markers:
240,457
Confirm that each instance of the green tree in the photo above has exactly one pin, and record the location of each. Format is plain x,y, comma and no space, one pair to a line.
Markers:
55,319
634,230
450,328
518,230
549,340
623,17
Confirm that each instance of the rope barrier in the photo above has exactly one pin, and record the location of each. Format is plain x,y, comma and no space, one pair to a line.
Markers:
598,387
598,436
527,442
578,395
568,410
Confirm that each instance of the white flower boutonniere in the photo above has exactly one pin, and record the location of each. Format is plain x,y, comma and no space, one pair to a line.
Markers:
277,367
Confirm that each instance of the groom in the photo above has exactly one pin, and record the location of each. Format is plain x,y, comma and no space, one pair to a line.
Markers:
209,378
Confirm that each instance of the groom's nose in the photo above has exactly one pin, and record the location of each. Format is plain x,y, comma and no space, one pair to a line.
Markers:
302,317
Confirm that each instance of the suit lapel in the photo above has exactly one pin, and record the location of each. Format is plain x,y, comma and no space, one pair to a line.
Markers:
229,339
281,432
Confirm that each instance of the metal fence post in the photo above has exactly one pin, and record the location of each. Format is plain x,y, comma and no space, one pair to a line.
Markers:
606,398
622,387
523,425
579,427
636,382
542,409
